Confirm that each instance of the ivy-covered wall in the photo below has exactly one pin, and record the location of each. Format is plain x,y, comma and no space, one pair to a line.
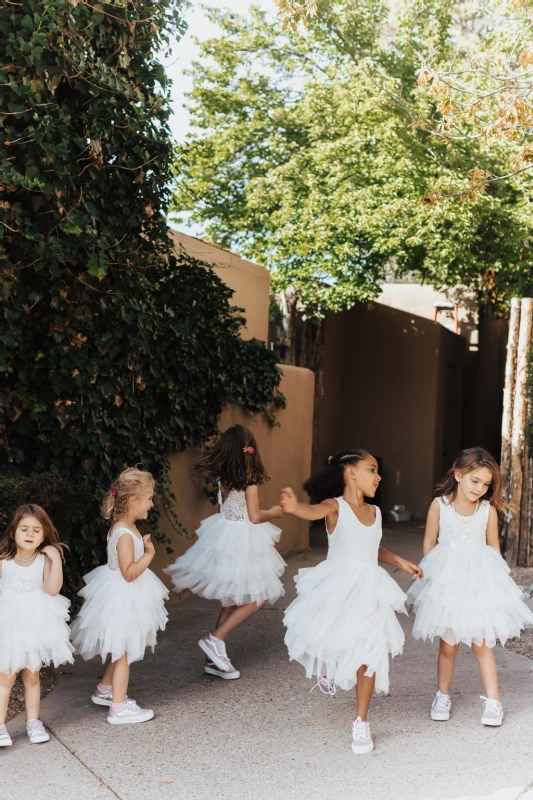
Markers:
114,351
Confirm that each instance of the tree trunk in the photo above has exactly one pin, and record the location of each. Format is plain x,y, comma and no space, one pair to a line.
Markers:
508,395
524,542
517,438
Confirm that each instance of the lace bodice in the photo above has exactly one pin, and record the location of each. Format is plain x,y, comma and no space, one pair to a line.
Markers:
234,506
16,578
459,531
112,555
353,541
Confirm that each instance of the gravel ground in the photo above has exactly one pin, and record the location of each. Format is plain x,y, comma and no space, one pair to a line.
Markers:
524,644
16,701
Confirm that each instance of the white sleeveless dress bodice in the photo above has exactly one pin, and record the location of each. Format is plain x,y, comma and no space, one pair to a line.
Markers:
344,616
234,560
119,617
467,594
33,624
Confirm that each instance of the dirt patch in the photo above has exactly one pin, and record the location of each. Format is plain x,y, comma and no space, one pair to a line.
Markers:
522,645
16,701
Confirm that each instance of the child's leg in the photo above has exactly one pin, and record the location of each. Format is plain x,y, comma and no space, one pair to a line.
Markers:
446,664
226,612
363,693
119,679
7,679
32,693
487,667
107,677
237,617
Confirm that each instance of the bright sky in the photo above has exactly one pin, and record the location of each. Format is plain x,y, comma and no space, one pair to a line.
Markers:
186,51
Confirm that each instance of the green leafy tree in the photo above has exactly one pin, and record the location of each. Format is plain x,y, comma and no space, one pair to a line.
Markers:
302,158
115,350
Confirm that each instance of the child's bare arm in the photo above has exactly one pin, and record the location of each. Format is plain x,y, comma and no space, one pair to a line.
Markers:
130,568
492,529
432,527
255,512
290,505
386,557
53,570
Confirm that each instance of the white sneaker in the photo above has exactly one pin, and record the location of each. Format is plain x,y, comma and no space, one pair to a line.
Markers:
215,650
36,732
440,710
361,737
212,669
100,698
5,738
492,712
326,685
130,714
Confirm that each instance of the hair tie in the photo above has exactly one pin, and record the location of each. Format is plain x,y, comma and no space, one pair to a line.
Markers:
330,459
248,450
112,489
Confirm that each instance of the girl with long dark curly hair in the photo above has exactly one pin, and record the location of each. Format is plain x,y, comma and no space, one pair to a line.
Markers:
234,560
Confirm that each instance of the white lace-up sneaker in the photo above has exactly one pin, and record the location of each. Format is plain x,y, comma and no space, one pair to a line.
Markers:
440,710
326,685
129,714
100,698
5,738
212,669
492,712
361,737
215,650
36,732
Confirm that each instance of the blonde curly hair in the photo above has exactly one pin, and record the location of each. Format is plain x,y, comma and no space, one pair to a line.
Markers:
132,482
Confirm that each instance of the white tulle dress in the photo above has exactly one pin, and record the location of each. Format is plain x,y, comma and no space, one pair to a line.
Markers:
234,560
344,616
118,616
467,594
33,624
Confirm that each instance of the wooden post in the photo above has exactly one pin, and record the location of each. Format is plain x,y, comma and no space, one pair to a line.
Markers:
508,393
518,425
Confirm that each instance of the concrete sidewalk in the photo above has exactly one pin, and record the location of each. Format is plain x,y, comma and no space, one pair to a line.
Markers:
265,736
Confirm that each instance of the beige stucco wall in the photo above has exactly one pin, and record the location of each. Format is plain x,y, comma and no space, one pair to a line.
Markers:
286,452
250,282
388,387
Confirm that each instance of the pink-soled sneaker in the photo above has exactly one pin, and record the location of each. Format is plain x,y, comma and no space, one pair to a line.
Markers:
5,738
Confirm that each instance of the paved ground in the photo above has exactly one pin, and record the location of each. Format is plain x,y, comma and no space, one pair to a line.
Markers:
266,737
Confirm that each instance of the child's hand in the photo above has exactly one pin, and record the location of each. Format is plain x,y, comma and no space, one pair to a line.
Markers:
411,568
149,548
277,511
52,553
288,501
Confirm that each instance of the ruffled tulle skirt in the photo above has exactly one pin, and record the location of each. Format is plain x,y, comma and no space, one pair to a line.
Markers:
468,596
343,618
34,631
118,617
233,562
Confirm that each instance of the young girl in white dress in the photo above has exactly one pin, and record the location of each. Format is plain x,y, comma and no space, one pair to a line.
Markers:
343,625
467,594
234,560
33,615
123,601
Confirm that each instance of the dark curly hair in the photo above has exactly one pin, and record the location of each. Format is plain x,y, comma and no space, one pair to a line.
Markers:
234,460
329,482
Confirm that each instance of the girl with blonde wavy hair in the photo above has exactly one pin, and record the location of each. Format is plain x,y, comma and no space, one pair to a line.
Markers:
123,601
467,594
